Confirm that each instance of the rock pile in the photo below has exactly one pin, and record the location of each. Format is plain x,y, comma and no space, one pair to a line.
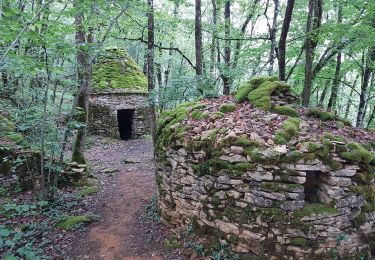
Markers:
73,173
267,183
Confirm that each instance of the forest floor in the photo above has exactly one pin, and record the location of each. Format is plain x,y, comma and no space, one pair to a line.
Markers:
127,226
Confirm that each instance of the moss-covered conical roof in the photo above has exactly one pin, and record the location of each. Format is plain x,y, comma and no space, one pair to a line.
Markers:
116,70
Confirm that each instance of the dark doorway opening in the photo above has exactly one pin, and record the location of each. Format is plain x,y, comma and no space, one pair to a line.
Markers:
125,123
312,186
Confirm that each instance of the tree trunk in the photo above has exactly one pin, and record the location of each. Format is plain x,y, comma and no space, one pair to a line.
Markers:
364,87
150,63
323,95
336,82
314,21
283,37
350,100
198,39
273,32
84,81
372,118
225,73
213,41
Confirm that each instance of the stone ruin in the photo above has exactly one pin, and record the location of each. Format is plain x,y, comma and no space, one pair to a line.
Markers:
119,99
267,179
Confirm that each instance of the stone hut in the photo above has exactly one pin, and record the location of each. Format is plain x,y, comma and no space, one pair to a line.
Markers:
119,97
266,178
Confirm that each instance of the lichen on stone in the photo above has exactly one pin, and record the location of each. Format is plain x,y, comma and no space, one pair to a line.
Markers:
115,69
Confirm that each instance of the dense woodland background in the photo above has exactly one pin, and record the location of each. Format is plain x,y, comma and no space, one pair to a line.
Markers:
189,50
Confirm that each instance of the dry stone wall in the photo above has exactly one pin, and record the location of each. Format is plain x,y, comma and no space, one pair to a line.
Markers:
264,183
103,113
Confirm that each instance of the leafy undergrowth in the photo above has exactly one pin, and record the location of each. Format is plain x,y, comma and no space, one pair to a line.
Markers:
31,228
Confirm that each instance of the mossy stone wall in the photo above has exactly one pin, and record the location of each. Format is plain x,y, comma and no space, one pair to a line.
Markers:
255,194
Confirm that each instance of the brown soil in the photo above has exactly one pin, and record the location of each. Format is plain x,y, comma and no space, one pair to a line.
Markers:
123,231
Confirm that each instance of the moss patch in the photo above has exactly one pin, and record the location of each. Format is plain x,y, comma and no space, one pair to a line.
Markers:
226,108
321,114
368,192
314,209
72,222
290,130
116,69
298,241
254,83
261,96
357,153
88,191
285,110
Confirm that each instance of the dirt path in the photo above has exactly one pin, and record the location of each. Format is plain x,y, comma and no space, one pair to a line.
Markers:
123,231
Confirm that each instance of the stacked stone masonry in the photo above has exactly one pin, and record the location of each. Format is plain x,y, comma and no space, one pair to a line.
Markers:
104,107
263,204
225,175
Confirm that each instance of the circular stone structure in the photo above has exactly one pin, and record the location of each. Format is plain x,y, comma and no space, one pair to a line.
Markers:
266,178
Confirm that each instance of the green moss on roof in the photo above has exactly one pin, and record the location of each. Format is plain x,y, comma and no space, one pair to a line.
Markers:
115,69
357,153
261,96
246,88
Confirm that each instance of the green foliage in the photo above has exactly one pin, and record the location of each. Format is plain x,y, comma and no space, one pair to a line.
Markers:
285,110
116,69
73,222
226,108
151,209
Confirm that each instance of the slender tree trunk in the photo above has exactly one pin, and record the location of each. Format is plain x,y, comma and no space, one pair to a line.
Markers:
312,30
213,40
226,73
334,92
273,32
350,100
364,87
84,81
283,37
198,39
372,118
150,63
324,93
